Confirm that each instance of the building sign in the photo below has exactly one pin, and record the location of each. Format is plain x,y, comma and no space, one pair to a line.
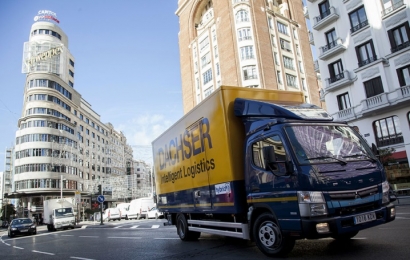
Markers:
44,56
46,15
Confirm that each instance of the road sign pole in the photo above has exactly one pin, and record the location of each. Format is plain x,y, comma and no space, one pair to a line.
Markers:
101,203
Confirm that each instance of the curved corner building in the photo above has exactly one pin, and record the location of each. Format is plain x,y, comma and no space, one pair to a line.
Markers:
61,144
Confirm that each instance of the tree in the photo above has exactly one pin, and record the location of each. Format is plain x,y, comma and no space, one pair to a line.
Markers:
9,210
386,155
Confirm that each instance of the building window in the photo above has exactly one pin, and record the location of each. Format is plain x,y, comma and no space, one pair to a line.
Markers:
270,22
247,53
249,72
275,55
208,91
244,34
399,37
358,19
217,69
404,76
365,53
343,101
279,75
295,34
204,43
304,84
282,28
391,5
71,63
205,59
301,67
387,131
291,81
336,71
373,87
216,51
71,73
288,63
324,10
207,76
331,40
285,45
71,84
242,16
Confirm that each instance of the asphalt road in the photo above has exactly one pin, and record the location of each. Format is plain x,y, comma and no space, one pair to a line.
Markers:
149,239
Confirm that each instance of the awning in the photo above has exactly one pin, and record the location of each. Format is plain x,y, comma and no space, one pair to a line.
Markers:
14,195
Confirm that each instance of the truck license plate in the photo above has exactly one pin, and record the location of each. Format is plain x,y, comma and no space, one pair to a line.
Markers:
365,218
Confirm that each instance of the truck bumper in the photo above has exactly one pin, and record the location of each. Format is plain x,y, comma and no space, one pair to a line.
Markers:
346,224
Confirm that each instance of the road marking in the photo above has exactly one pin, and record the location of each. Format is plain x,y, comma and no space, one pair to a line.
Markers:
166,238
18,247
67,235
46,253
89,236
127,237
7,244
155,226
135,226
82,258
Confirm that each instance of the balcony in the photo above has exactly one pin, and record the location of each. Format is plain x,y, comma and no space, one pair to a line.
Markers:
359,26
346,114
331,49
368,61
400,47
311,40
341,80
316,65
312,1
393,8
306,12
375,103
322,95
325,18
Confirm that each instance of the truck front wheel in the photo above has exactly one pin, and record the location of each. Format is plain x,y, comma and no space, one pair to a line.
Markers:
182,229
269,238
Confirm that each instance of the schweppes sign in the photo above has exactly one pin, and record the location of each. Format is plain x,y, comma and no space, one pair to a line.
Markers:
44,56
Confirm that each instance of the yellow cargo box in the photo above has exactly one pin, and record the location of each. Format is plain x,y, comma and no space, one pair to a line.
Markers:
205,147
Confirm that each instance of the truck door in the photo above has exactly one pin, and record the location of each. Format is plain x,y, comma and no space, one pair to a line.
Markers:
201,194
268,186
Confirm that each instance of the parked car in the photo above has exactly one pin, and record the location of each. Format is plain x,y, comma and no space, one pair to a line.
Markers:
112,214
21,226
154,213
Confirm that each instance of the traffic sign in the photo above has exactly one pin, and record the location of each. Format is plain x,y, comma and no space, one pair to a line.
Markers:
77,196
100,198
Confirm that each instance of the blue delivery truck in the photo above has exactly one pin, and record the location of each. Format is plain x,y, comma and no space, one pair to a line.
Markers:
263,166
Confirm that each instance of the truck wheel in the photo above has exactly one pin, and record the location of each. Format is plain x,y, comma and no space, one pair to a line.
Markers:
138,216
269,238
182,229
345,236
126,217
49,227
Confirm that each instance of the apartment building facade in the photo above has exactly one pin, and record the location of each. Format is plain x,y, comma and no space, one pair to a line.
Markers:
247,43
364,59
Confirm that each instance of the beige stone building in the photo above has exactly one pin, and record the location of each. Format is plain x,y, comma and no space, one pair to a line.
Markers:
248,43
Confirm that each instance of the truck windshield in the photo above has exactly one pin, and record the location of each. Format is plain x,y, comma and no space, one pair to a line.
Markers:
315,144
63,212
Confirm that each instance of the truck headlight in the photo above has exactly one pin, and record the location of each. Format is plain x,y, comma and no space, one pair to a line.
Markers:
385,189
311,203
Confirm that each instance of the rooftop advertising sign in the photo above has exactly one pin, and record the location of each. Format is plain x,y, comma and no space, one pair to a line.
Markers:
46,15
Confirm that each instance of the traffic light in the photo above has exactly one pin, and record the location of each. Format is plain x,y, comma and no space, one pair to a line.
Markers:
99,189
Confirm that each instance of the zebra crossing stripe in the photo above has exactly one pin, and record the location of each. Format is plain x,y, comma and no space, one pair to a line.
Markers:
155,226
135,226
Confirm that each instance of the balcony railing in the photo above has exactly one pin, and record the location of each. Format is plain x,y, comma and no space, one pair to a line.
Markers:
250,77
359,26
368,61
338,81
389,140
331,49
392,8
316,65
325,18
311,40
400,46
245,38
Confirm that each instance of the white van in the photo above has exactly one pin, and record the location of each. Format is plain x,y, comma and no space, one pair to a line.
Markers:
140,207
112,214
123,207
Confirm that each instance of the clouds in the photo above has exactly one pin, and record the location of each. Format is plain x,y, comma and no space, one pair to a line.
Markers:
142,130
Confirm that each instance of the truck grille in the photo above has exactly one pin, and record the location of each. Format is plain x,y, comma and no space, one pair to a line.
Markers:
353,194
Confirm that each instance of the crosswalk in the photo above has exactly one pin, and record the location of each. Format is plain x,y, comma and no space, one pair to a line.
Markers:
138,226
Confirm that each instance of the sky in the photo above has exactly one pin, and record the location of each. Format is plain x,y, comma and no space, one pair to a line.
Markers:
126,64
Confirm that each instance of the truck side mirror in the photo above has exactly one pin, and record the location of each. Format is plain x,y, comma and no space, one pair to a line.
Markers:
375,150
